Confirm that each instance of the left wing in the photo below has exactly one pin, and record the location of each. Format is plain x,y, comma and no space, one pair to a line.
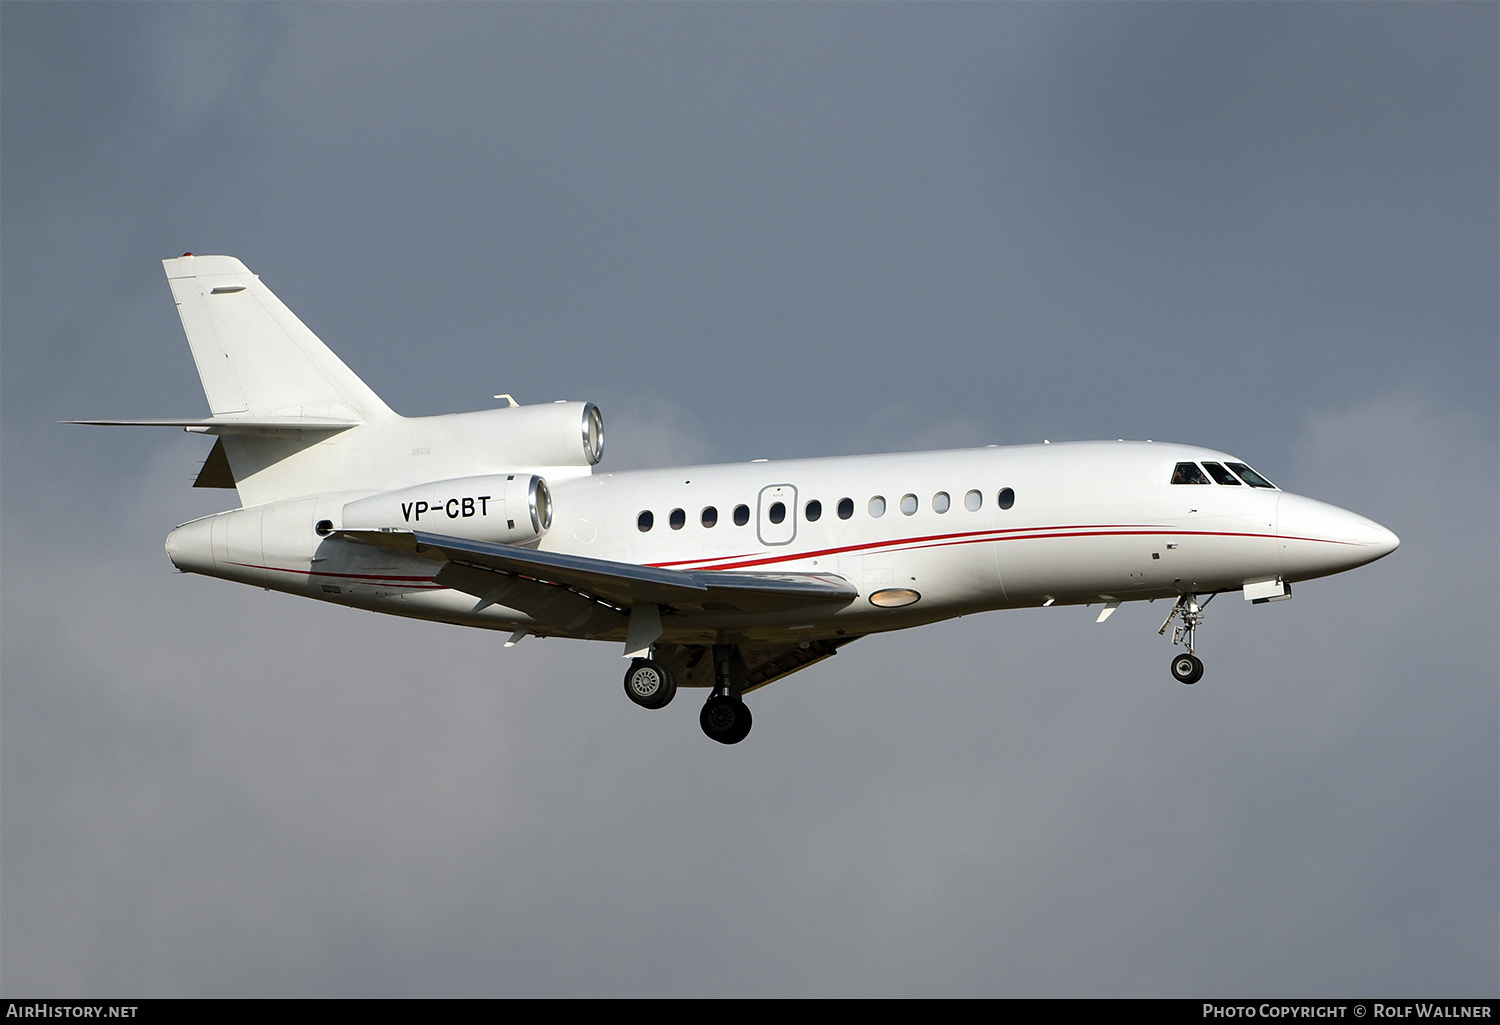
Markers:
622,584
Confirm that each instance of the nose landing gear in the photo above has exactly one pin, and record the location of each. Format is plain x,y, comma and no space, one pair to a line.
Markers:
1186,667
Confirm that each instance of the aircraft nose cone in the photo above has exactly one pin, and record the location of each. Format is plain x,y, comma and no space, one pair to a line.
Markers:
1381,540
1373,540
1317,539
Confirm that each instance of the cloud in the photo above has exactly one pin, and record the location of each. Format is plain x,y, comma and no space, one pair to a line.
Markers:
743,236
211,790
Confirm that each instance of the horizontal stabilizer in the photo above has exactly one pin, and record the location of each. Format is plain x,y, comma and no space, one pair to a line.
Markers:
223,424
624,584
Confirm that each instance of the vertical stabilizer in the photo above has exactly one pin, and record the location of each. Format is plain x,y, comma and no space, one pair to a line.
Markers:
254,356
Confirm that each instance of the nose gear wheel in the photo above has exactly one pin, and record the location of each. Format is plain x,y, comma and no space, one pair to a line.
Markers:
1187,667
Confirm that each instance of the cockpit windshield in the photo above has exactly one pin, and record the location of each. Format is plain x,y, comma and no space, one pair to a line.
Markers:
1188,473
1221,475
1250,477
1192,473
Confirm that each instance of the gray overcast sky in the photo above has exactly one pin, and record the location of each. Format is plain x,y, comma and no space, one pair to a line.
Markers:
749,231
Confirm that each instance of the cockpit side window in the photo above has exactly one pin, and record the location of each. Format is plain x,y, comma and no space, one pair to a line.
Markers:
1188,473
1221,475
1250,477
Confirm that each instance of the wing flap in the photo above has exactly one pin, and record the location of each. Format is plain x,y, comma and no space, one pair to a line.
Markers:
559,607
768,665
764,663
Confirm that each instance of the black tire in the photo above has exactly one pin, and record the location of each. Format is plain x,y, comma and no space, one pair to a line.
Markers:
1187,668
649,684
742,728
725,719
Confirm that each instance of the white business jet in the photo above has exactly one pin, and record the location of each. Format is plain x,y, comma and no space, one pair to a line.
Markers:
724,577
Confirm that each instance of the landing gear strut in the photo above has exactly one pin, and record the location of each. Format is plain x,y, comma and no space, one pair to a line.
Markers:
649,683
725,717
1186,667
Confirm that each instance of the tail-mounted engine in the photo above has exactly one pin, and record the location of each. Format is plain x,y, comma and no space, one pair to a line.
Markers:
553,434
504,508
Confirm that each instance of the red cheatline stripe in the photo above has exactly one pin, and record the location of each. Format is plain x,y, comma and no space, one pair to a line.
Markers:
722,561
984,536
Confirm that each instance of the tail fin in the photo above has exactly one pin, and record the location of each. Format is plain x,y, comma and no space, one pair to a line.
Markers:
254,356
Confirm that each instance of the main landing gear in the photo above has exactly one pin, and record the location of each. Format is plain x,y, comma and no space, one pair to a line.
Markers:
649,683
725,717
1186,667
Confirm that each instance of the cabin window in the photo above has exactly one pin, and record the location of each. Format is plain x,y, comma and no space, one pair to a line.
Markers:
777,512
741,515
1188,473
973,500
1250,477
677,518
1220,474
1006,498
908,504
846,508
813,511
877,506
941,502
710,516
644,521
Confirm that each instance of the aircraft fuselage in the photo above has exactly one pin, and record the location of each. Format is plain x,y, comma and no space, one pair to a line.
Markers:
1091,522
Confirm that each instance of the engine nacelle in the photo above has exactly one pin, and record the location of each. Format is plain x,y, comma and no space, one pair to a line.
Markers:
550,434
553,434
504,508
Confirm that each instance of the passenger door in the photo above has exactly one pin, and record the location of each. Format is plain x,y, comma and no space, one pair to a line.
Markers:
776,517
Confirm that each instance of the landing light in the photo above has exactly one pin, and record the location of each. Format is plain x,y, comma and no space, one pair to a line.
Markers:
894,597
